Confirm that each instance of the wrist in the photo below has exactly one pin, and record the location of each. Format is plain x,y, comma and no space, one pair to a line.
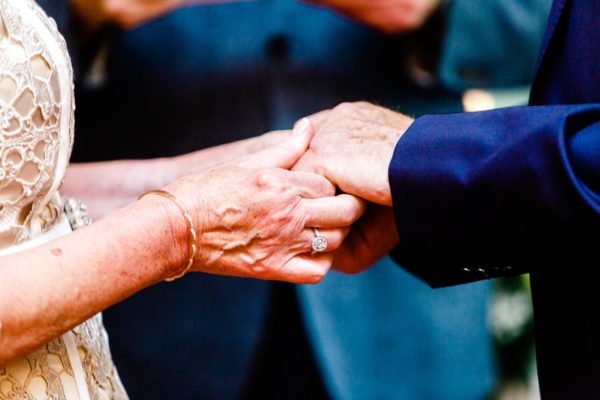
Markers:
172,235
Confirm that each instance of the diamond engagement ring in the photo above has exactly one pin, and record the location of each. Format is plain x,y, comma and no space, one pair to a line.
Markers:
319,243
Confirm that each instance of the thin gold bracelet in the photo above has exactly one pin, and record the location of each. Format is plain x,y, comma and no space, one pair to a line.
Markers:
192,237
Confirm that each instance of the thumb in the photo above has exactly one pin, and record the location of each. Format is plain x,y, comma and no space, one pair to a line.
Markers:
286,152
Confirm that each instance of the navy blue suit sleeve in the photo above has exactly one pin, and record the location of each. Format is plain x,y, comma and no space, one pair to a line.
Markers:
498,193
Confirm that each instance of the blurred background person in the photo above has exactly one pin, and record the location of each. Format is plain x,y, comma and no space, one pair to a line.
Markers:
211,74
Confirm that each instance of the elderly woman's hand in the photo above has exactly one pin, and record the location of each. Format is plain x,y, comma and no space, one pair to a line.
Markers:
256,218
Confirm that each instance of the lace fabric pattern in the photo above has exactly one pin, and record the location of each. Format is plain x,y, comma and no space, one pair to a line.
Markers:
47,373
100,373
33,108
36,137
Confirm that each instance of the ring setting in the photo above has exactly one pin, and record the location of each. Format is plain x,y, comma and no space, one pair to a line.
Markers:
319,243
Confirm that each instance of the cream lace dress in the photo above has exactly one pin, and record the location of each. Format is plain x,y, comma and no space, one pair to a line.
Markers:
36,136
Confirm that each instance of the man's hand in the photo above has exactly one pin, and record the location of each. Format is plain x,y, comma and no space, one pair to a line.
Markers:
353,146
370,239
391,16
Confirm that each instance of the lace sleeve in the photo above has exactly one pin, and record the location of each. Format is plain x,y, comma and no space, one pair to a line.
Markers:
36,120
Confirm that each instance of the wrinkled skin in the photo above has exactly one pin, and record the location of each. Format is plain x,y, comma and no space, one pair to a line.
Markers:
256,217
353,147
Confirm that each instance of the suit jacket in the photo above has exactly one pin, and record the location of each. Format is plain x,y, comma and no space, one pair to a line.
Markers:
516,190
173,87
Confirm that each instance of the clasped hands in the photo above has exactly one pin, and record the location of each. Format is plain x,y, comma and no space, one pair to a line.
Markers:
257,214
352,147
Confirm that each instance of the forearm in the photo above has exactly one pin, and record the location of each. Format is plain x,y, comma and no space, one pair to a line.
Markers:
247,218
107,186
52,288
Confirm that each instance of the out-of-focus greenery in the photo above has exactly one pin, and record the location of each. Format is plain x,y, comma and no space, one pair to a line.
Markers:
511,324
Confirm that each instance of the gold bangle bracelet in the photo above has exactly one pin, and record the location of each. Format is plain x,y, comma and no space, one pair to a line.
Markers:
192,237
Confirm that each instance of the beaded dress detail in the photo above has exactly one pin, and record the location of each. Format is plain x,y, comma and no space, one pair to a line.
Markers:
36,138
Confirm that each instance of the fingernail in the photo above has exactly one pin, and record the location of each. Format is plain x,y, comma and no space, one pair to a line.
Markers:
301,126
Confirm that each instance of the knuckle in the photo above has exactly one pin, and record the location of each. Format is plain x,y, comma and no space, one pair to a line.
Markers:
281,224
328,190
362,104
354,212
282,220
325,187
268,179
345,108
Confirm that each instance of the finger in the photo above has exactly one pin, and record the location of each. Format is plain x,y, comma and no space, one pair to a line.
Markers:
310,162
333,212
267,140
305,269
274,137
311,186
345,259
354,255
286,152
371,238
335,238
